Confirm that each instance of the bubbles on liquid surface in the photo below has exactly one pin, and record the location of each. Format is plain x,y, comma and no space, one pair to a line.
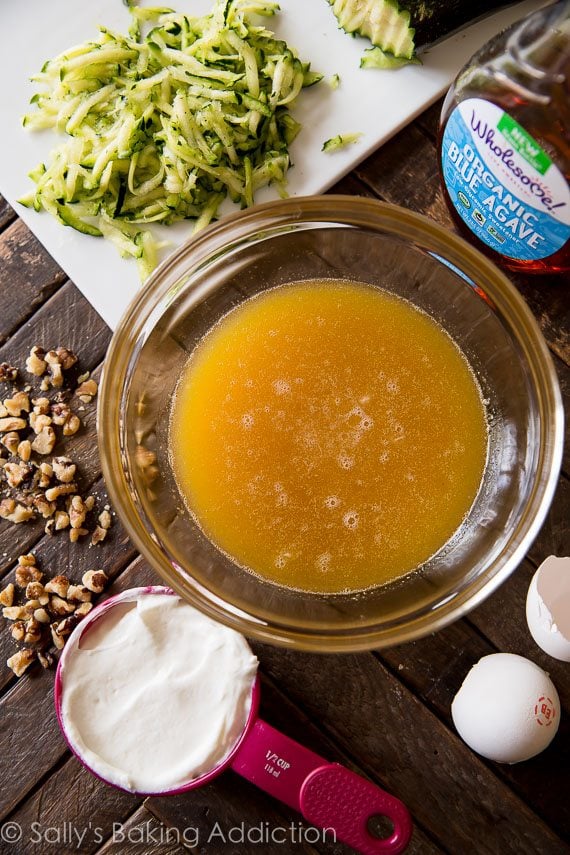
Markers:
345,461
248,420
281,387
332,502
323,562
282,559
351,519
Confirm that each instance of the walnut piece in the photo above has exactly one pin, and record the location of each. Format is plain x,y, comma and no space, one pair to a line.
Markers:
20,401
24,450
21,661
78,594
13,512
33,631
35,363
45,441
11,423
7,373
26,574
60,607
64,469
95,580
7,595
58,585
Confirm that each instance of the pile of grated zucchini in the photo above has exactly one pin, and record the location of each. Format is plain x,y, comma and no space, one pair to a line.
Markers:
165,127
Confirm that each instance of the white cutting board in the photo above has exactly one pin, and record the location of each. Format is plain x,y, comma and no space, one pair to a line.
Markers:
373,102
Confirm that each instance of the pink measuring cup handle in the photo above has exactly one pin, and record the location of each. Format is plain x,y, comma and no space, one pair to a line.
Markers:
326,794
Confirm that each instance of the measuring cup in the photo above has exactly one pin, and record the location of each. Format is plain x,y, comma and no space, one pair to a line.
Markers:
327,794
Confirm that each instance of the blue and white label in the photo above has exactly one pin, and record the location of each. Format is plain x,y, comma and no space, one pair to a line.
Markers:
503,184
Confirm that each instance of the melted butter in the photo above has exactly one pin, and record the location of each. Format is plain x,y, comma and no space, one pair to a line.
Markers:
328,436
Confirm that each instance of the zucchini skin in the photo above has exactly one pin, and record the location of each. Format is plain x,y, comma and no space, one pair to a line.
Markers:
434,19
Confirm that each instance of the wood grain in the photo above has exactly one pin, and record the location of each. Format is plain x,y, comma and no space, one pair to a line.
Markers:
393,736
28,276
143,834
7,214
53,823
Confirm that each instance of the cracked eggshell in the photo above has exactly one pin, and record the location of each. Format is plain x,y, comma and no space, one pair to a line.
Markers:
507,709
548,607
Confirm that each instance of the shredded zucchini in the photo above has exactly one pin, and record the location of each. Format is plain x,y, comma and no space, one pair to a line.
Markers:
340,141
375,57
165,127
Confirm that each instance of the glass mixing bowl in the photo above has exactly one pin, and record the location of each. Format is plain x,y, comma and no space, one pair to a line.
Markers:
358,239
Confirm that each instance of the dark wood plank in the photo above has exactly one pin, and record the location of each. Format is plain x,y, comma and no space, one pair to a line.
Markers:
7,214
28,276
143,834
71,812
393,736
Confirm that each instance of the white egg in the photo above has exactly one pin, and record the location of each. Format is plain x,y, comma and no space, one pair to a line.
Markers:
507,708
548,607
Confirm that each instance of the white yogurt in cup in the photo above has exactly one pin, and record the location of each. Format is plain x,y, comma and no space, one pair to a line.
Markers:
152,693
156,698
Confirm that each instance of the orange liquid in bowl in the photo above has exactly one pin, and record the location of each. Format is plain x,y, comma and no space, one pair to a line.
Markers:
328,436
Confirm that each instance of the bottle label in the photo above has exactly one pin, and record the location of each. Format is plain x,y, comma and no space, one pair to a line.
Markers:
503,185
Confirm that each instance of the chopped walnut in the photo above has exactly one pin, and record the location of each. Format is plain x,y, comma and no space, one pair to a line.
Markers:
58,641
61,520
43,507
83,609
66,626
71,425
13,512
24,450
64,469
60,607
41,406
11,423
45,474
89,503
28,560
39,421
7,595
35,363
105,519
20,401
98,535
21,661
45,658
44,442
79,594
58,585
76,533
33,631
34,590
18,630
7,373
95,580
60,490
14,612
67,358
16,473
87,391
41,615
77,512
11,441
26,573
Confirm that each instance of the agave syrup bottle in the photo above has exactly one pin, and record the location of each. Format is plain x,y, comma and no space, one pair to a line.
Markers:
504,146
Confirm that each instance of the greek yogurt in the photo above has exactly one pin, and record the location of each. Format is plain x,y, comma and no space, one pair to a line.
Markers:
154,694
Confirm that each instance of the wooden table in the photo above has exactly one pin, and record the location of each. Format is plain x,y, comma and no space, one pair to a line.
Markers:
386,714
